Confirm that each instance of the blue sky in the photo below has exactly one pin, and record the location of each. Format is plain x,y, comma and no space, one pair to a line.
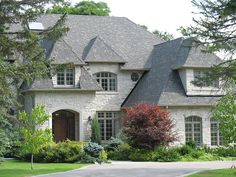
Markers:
164,15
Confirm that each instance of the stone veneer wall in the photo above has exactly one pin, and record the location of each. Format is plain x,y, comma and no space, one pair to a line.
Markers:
86,103
178,114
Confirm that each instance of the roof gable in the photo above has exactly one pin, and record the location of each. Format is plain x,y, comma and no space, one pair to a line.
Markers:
87,82
100,51
130,41
61,52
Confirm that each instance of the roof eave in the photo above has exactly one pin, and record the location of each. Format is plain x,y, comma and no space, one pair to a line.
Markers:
191,66
60,89
91,61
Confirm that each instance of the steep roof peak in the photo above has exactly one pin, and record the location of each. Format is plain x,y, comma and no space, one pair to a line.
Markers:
99,51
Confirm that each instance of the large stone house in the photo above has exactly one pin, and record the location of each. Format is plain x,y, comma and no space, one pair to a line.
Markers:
115,63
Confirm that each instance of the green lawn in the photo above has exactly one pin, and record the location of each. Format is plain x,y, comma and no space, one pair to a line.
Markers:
216,173
13,168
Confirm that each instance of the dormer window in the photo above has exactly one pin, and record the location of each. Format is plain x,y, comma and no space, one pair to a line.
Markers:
65,77
200,74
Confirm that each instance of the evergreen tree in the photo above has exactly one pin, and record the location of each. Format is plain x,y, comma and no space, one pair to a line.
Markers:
21,55
215,27
96,133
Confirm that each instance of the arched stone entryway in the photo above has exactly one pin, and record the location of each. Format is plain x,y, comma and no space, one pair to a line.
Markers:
64,125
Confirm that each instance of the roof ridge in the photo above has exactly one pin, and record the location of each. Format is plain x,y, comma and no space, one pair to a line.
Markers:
90,16
144,29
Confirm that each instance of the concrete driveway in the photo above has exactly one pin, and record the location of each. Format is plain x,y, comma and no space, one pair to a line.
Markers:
143,169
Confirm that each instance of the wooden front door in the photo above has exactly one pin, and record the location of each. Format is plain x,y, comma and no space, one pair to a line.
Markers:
63,125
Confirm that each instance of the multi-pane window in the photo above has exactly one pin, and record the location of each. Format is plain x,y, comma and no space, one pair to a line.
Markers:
107,122
107,80
193,129
65,77
216,136
202,74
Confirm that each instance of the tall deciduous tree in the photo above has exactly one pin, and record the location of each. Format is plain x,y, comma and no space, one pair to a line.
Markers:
34,137
21,55
215,27
224,112
86,7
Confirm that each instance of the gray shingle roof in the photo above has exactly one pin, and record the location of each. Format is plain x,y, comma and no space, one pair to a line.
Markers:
38,85
99,51
128,40
61,52
196,56
162,84
87,82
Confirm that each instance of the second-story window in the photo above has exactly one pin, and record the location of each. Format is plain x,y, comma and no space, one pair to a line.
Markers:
201,74
65,77
107,80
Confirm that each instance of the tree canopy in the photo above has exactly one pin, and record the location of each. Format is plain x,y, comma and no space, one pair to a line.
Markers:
215,27
86,7
224,112
163,35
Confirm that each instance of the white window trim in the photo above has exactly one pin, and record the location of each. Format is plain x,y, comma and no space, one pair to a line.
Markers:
108,81
218,143
192,128
113,118
65,83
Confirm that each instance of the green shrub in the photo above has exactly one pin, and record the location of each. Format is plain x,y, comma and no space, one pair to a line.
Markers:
103,155
122,152
93,149
141,155
184,150
95,128
163,154
224,151
87,159
209,157
68,151
113,144
197,153
47,154
192,144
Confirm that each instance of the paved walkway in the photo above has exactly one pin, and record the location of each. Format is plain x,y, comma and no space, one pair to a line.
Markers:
143,169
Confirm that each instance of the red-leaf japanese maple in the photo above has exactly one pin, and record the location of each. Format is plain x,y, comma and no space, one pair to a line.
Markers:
147,126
